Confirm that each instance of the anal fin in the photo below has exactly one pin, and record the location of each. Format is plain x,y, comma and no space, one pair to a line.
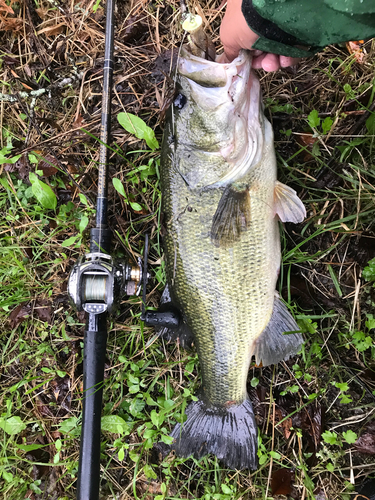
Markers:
232,216
287,205
274,344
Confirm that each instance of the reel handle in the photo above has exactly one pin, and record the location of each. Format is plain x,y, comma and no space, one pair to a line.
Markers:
95,342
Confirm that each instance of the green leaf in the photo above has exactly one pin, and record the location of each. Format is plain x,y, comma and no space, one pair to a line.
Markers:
369,271
226,489
12,425
114,424
69,241
350,436
42,192
83,223
68,425
343,387
155,418
8,476
327,124
117,184
329,437
370,323
149,472
5,151
136,206
83,199
166,439
30,447
313,119
370,124
330,467
136,126
275,455
133,456
121,454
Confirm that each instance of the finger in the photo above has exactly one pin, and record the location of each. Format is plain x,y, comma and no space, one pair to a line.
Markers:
257,61
271,62
288,61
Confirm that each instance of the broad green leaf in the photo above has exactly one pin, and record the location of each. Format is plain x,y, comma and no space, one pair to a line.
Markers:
42,192
83,223
330,467
114,424
350,436
155,418
121,454
12,425
117,184
136,126
226,489
327,124
83,199
370,323
8,476
3,156
136,206
369,271
329,437
149,472
166,439
313,119
342,386
69,241
68,425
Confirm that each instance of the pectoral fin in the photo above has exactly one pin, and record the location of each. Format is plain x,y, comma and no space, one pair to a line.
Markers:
232,216
287,205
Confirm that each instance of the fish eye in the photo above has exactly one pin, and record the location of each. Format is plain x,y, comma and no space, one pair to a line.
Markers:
180,101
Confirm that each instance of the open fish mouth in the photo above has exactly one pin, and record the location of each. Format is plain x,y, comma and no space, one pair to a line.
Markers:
232,92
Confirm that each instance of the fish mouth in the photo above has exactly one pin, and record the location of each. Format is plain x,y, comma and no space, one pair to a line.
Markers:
232,92
215,81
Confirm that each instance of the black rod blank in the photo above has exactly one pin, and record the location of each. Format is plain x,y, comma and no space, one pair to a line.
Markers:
105,129
95,338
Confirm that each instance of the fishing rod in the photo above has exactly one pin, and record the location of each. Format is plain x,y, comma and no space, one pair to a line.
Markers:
96,285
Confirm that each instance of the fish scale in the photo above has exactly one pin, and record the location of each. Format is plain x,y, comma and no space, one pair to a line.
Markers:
226,294
223,280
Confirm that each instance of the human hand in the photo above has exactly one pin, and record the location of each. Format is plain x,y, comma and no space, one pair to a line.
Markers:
235,35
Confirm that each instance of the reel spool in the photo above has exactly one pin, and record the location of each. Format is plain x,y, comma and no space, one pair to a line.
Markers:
97,282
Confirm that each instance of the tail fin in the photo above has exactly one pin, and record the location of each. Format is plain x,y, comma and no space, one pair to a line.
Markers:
275,344
229,433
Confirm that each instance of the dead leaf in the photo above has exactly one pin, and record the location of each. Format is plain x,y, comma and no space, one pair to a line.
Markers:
19,314
134,28
281,481
79,121
57,29
47,164
43,310
5,8
42,12
356,48
11,24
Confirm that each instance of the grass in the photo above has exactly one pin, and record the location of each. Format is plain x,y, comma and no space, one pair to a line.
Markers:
312,409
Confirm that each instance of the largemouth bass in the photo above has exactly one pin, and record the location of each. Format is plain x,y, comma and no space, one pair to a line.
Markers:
221,205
